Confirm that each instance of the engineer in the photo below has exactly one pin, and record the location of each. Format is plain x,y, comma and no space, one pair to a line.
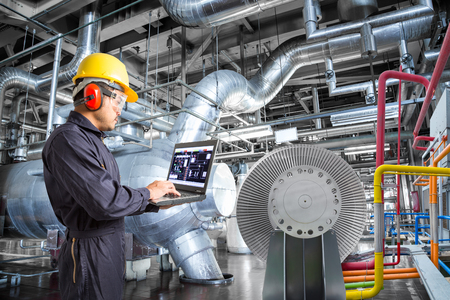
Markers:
83,183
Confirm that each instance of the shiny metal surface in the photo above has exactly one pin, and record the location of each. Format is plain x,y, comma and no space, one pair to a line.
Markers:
350,10
232,91
54,86
303,269
368,42
316,107
253,217
235,242
219,201
88,42
304,202
208,13
422,9
193,253
29,211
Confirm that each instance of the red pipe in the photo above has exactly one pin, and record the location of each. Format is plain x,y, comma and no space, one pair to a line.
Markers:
422,138
380,138
382,105
440,65
398,163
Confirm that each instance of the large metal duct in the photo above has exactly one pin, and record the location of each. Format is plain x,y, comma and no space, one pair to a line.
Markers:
232,91
30,213
194,13
88,42
350,10
235,242
421,8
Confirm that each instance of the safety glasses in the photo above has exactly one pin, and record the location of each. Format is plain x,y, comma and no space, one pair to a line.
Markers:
118,99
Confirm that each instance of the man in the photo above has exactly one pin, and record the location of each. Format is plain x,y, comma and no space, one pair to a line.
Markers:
83,183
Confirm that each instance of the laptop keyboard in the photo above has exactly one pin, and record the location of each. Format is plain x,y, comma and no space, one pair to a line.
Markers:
183,194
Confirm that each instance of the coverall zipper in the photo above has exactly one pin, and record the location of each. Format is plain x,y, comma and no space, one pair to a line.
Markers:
74,261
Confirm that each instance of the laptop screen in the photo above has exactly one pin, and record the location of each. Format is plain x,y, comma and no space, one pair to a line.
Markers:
191,164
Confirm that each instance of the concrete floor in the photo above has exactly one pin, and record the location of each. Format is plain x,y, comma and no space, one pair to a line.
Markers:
247,270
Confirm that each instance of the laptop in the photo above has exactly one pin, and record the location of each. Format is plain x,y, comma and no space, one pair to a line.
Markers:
189,171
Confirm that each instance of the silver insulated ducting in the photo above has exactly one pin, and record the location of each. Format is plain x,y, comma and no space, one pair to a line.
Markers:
88,43
350,10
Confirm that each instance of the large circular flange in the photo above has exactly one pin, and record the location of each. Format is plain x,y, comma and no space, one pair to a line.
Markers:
304,202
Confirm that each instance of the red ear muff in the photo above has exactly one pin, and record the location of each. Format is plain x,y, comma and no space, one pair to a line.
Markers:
97,100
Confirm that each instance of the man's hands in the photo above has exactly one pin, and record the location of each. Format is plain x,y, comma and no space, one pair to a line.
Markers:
160,188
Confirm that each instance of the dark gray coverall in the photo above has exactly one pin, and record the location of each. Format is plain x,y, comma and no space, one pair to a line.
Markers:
83,184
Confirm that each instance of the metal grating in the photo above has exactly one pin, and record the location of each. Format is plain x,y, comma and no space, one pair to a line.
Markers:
252,214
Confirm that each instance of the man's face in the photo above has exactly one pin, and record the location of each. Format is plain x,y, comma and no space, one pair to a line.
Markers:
107,116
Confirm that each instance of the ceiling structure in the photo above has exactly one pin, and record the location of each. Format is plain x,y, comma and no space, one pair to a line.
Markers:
242,45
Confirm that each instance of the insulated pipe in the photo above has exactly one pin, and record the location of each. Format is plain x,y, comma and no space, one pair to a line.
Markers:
363,139
423,8
236,94
210,13
335,131
316,107
54,86
88,42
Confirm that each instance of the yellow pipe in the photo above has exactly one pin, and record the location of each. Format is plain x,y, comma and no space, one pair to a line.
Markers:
370,293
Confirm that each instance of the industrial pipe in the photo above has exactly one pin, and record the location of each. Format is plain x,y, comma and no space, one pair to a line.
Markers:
434,205
209,13
385,277
379,224
372,272
400,87
440,65
423,8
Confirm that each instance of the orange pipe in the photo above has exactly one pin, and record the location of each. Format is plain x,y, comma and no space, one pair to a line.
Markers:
441,155
385,277
433,200
372,272
416,182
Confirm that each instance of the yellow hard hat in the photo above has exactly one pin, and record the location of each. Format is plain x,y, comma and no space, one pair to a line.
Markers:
102,65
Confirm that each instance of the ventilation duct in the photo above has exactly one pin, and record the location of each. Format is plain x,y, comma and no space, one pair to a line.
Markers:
351,10
88,42
238,95
208,13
